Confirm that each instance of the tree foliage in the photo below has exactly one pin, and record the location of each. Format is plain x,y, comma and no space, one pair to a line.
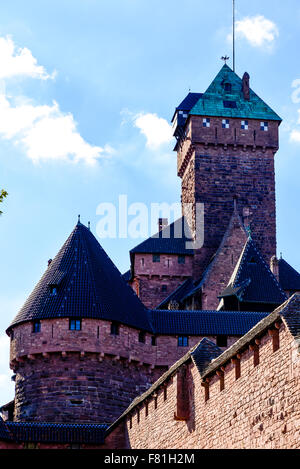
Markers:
3,194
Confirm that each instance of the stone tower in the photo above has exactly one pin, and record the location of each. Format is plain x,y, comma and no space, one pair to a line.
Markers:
72,342
226,142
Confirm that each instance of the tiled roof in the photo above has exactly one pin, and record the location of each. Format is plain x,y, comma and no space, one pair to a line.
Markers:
4,432
178,294
88,285
205,353
252,280
57,433
171,240
188,103
289,278
204,323
127,275
212,101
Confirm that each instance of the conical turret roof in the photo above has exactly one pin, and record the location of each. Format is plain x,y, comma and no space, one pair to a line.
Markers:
83,282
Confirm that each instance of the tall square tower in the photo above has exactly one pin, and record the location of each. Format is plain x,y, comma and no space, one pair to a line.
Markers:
227,138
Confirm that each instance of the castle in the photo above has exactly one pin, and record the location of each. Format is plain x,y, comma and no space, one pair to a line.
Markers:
182,340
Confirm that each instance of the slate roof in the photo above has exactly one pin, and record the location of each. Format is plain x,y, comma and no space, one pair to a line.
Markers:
88,286
127,275
205,353
170,240
211,102
56,433
289,278
204,323
252,280
4,432
188,103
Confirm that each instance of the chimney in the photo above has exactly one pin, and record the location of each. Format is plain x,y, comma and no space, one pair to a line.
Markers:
162,223
246,86
274,267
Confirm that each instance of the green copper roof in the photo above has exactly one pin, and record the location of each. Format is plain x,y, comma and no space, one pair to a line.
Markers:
212,101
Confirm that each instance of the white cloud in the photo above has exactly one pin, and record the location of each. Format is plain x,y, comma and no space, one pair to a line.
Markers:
258,30
46,133
16,61
295,136
156,129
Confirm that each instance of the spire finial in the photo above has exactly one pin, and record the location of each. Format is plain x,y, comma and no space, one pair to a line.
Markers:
225,58
79,219
89,225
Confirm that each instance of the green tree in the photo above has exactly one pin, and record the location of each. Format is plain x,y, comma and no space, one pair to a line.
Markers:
3,194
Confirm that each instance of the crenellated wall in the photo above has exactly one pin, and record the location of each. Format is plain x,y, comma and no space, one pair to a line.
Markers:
250,401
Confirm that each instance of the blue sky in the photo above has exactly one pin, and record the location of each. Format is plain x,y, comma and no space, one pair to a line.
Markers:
87,92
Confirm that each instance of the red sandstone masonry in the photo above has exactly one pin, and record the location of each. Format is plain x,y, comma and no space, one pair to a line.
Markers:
86,376
149,276
261,409
218,164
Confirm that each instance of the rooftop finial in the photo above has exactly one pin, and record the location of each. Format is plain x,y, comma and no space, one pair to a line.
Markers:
225,58
89,225
79,219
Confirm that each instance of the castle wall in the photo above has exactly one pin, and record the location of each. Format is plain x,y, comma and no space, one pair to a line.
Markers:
87,376
260,409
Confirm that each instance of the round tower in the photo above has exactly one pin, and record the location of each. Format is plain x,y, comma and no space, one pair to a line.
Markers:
71,362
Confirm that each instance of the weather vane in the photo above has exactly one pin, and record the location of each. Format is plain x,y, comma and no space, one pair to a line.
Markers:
225,58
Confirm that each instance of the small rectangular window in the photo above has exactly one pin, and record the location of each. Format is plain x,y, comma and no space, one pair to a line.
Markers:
244,125
142,337
206,122
153,341
114,328
230,104
164,288
222,341
36,326
75,325
264,126
181,259
225,124
156,257
183,341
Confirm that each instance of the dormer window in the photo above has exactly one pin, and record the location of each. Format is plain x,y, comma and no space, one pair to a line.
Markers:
228,87
206,122
264,126
225,124
53,290
230,104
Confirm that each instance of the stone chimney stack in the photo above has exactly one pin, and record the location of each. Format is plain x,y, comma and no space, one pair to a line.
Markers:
162,223
246,86
274,267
